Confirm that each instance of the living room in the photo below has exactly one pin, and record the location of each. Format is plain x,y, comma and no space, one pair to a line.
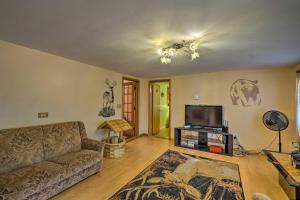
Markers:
78,79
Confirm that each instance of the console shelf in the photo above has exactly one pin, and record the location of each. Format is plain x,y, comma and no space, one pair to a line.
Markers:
204,139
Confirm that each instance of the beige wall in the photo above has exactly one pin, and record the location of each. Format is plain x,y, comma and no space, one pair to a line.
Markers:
277,90
32,81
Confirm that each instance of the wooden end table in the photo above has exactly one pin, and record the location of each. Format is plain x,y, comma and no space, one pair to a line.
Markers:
289,176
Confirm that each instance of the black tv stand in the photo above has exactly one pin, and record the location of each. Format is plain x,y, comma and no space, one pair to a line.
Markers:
200,140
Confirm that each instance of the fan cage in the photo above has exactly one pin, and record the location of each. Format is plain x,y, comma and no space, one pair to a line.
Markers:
267,120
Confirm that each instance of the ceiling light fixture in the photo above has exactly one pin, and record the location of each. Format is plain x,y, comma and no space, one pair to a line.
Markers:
189,47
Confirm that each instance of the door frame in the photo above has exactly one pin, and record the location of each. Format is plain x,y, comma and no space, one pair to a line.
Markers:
150,104
137,101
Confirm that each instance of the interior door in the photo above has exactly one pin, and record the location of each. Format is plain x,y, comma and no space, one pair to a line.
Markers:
156,109
129,107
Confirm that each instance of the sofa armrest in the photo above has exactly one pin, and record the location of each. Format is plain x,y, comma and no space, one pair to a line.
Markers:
91,144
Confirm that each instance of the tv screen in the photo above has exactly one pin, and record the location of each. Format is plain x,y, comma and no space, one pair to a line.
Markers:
202,115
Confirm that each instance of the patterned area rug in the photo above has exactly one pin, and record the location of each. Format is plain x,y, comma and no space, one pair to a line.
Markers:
178,176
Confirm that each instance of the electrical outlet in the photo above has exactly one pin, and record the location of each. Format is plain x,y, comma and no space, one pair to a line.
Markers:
43,115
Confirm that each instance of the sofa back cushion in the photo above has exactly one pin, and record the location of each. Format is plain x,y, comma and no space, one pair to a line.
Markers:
20,147
61,138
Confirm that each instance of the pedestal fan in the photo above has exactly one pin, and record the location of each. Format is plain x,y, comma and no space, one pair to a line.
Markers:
276,121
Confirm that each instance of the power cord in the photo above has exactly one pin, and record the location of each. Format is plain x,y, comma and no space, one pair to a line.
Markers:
266,148
276,136
240,151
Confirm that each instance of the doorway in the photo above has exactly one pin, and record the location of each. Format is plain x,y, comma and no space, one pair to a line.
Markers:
130,105
159,108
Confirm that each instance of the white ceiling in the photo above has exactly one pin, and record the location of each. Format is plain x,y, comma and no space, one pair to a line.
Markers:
124,35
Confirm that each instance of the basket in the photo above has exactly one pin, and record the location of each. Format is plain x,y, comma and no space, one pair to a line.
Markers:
114,150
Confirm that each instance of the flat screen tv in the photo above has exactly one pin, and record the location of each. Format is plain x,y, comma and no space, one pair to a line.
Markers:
204,115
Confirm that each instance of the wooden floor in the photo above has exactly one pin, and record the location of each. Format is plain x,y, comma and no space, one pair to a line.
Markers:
258,175
163,133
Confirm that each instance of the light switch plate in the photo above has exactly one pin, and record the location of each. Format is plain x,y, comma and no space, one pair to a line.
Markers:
43,115
196,97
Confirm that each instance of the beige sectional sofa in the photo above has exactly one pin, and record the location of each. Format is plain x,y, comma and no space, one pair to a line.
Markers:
41,161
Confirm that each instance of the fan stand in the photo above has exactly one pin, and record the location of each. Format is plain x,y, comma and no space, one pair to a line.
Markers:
279,143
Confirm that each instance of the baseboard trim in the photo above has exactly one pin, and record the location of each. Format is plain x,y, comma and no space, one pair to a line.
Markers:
144,134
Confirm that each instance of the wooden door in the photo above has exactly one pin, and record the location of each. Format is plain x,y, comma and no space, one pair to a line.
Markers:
156,109
130,107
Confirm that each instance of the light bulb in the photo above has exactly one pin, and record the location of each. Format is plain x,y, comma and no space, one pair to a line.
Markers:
165,60
171,52
160,51
193,46
195,55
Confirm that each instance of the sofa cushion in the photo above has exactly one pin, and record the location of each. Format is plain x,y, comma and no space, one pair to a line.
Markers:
20,147
61,138
23,182
75,162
